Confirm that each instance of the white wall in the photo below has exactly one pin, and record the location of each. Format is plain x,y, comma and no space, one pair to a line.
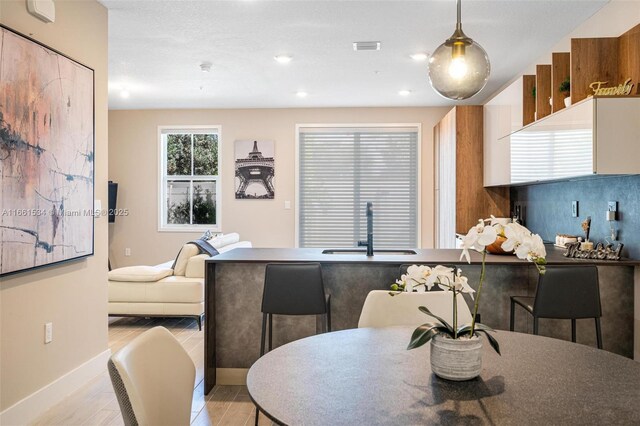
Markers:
73,296
133,163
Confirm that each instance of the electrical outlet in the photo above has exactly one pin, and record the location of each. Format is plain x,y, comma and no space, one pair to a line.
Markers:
287,205
127,251
48,332
574,209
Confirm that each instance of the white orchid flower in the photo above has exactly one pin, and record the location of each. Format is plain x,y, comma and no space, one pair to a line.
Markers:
416,273
461,284
486,237
441,275
478,238
514,232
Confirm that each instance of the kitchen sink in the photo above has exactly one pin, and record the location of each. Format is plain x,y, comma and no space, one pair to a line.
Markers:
354,251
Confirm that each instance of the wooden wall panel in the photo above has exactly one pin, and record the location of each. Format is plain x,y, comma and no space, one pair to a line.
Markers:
560,70
629,58
543,91
473,201
528,101
592,59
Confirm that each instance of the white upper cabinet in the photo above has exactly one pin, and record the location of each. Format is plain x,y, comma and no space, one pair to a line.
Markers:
594,136
502,115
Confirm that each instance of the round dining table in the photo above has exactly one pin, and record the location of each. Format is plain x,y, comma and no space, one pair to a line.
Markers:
367,377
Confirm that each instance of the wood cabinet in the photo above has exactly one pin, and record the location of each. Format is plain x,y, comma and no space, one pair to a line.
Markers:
460,196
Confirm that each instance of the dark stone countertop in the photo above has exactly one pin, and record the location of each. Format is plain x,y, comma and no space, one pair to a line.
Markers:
423,256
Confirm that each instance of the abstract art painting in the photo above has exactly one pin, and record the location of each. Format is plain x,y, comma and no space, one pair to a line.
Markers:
254,169
46,155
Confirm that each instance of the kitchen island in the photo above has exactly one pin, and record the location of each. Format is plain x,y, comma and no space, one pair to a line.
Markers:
234,282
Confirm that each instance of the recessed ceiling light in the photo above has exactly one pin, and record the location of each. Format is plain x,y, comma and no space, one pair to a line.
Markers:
404,92
283,59
301,94
205,66
124,93
419,56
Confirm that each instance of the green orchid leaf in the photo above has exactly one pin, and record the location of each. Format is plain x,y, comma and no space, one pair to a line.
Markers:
424,333
466,329
492,341
423,309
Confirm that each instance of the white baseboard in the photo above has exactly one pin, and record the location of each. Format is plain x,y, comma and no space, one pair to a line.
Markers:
30,408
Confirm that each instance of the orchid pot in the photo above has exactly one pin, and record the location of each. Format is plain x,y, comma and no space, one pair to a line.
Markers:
456,350
456,359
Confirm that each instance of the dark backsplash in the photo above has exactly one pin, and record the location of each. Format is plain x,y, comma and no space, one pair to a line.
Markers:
548,209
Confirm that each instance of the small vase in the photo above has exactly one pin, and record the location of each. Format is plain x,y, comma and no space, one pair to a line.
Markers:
456,359
567,101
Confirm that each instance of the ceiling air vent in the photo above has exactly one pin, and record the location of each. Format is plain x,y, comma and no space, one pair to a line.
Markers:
366,45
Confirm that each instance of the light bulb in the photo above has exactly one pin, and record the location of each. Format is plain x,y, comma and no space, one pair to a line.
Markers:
458,68
458,75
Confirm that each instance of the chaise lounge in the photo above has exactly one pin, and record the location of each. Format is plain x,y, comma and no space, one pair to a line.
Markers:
170,289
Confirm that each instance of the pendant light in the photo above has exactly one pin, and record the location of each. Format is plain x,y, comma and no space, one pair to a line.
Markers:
459,68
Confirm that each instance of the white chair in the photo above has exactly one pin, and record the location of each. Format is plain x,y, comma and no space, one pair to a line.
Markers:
382,310
153,378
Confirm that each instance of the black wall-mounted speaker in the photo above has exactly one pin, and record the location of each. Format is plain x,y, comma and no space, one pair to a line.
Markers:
113,197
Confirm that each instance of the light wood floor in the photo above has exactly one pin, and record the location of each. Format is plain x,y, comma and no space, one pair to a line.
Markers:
96,404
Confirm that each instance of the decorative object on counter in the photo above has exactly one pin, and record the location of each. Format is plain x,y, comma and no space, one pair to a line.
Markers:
622,89
611,216
586,245
563,239
565,88
456,352
254,170
459,68
496,246
586,227
599,252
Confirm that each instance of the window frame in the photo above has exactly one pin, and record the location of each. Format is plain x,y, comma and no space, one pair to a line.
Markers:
163,178
301,126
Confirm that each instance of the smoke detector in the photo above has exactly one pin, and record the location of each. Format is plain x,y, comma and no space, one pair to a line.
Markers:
366,45
44,10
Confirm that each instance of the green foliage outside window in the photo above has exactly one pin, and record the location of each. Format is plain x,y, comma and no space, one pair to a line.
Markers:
193,155
204,208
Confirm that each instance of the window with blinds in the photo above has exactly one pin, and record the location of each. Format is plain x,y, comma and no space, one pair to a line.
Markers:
341,168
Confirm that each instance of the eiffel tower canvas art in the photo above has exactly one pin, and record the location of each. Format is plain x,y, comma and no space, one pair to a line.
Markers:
254,169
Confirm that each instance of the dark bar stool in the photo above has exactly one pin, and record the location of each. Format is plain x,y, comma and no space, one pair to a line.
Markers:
292,289
564,292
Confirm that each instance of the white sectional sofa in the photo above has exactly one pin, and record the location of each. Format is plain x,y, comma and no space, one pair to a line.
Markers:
167,289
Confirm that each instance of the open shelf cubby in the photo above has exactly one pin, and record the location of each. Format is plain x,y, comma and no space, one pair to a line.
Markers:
607,59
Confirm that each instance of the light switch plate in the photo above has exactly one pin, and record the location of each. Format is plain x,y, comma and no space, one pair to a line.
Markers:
287,205
574,209
612,206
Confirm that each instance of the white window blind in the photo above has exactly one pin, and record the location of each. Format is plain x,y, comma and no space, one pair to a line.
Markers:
340,169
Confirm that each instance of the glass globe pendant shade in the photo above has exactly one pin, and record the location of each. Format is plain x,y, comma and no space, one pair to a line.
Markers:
459,68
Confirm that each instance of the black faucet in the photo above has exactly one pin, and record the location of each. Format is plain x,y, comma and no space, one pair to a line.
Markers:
369,242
